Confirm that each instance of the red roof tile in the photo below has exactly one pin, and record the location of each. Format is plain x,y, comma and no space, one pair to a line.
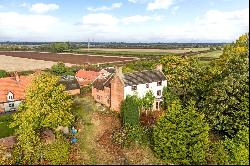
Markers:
9,84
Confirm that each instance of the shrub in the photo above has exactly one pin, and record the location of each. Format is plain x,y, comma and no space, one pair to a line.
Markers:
129,135
57,152
130,110
181,135
3,73
59,68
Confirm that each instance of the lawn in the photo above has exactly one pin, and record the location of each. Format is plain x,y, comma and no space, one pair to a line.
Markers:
5,131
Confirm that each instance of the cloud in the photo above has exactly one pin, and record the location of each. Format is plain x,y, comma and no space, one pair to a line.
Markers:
99,23
159,4
15,25
24,4
105,8
214,25
138,19
43,8
174,9
133,1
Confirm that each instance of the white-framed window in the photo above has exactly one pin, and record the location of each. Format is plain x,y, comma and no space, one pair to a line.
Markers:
159,93
159,83
10,96
134,87
147,85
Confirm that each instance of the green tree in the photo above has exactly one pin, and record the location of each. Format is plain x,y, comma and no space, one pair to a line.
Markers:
60,47
47,105
59,68
181,135
226,102
130,110
3,73
148,101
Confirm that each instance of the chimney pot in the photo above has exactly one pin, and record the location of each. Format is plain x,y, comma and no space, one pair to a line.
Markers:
159,67
17,76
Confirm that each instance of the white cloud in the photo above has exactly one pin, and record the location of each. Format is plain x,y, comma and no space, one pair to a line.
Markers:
159,4
174,9
16,25
214,25
24,4
43,8
133,1
99,23
105,8
138,19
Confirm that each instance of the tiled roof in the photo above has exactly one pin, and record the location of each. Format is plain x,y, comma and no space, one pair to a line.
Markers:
9,84
143,77
69,82
101,83
89,75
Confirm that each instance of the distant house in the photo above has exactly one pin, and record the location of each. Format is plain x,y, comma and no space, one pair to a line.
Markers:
12,92
112,90
71,84
88,77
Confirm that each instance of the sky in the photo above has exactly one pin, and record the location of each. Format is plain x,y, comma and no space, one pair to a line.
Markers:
123,20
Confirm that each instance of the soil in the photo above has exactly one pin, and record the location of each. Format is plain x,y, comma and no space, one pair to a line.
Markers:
79,59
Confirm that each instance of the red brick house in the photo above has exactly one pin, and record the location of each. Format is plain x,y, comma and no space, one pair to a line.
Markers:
112,90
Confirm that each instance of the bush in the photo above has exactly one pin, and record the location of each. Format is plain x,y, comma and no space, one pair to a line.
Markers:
3,73
181,135
57,152
59,68
130,111
129,135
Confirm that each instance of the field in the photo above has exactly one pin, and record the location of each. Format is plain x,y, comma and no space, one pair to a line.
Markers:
79,59
177,51
209,55
11,64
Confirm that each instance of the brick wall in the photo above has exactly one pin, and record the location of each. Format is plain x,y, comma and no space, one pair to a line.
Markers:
117,93
102,96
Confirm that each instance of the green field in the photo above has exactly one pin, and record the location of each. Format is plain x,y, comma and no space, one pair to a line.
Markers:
206,57
5,130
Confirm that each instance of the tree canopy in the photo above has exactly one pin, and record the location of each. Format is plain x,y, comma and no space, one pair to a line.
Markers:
46,106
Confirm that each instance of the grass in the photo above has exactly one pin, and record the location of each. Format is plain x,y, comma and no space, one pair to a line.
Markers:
93,121
5,130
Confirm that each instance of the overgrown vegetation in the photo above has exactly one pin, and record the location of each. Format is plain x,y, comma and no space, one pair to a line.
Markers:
3,73
47,106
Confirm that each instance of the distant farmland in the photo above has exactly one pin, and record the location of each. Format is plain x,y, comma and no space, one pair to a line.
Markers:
79,59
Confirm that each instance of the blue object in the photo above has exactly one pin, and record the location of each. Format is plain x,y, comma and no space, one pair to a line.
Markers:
73,140
73,131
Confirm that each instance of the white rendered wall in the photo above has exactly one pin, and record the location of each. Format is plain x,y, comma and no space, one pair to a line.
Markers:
142,90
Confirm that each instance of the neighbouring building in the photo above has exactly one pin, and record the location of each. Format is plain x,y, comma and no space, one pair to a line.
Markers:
112,90
12,92
71,84
85,78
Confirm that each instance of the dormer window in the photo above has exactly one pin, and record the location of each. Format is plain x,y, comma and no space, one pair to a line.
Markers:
10,96
159,83
134,87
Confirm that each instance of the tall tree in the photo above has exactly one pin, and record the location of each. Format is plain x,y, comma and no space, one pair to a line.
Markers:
46,106
181,135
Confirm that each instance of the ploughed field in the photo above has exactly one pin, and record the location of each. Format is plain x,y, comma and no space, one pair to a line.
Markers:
79,59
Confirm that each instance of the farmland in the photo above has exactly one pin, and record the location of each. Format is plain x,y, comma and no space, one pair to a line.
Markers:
79,59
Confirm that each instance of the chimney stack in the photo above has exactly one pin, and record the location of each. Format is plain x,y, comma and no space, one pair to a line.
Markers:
118,70
159,67
17,78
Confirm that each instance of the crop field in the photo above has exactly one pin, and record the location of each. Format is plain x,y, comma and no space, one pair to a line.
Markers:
79,59
177,51
209,55
10,64
152,53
